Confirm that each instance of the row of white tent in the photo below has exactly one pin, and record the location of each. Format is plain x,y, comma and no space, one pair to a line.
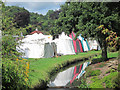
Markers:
42,46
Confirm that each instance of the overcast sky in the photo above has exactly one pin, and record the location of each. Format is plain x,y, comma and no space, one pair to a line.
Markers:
39,6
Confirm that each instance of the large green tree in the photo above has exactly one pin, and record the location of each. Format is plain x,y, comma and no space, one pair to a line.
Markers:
85,17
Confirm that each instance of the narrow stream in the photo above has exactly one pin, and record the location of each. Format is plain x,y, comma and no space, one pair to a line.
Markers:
67,77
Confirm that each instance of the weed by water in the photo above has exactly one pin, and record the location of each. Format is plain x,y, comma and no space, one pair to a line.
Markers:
93,73
96,82
111,80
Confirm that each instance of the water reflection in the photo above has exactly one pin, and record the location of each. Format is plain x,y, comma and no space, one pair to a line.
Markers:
69,75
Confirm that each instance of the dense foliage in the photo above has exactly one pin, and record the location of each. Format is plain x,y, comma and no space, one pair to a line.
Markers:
44,23
84,18
22,18
19,15
14,71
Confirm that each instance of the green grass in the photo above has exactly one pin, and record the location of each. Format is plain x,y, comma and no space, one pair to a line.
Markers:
40,69
113,54
110,81
110,55
98,59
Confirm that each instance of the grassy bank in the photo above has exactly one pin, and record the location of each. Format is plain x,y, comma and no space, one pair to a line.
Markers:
102,74
42,69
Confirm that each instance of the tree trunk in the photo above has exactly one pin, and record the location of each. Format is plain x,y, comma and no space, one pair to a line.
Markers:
103,46
104,50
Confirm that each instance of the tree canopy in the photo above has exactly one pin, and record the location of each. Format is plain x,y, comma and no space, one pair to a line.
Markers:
84,18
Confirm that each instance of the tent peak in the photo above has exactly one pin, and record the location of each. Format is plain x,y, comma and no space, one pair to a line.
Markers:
36,29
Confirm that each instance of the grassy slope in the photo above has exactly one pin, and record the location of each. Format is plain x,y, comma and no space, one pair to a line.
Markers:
40,68
97,83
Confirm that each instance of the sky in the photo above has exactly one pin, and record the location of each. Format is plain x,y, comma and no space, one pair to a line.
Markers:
41,6
36,6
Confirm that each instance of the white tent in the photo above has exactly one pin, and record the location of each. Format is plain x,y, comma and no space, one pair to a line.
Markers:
64,45
93,44
36,46
84,44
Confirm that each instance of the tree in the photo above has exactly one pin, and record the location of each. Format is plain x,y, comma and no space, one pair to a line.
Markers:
53,14
85,17
22,18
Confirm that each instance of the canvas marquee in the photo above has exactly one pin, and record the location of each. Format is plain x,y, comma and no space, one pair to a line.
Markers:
36,46
93,44
64,45
77,43
84,43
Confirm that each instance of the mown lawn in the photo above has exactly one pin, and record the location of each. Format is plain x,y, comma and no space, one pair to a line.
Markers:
40,68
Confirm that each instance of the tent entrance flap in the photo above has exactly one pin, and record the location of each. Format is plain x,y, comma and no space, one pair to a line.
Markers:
48,50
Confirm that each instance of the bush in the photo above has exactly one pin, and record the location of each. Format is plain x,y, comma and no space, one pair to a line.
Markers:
15,74
83,83
97,60
111,80
96,83
112,49
116,82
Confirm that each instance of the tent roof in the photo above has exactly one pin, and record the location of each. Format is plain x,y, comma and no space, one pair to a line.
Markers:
35,32
63,36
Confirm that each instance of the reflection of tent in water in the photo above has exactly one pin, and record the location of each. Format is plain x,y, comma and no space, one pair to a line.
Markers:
69,75
37,46
63,78
64,45
77,43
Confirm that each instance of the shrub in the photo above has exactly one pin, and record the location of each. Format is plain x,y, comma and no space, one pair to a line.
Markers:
96,83
112,49
15,74
97,60
83,83
110,80
111,70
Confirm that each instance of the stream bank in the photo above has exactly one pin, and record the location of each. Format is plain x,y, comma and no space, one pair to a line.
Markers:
43,83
